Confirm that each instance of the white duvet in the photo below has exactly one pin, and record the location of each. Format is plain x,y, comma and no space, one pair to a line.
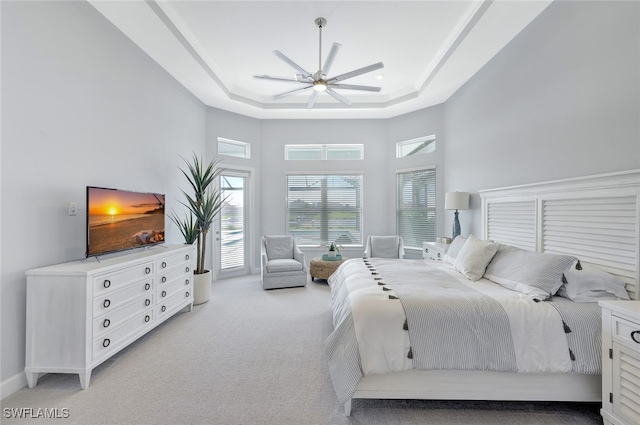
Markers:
539,340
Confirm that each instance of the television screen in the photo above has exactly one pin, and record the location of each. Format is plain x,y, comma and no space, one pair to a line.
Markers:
119,220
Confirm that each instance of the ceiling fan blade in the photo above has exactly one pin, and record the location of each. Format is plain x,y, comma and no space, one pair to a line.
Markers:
330,58
356,72
354,87
292,63
312,99
339,97
290,92
291,80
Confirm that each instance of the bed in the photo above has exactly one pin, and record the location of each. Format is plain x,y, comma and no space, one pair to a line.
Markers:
403,329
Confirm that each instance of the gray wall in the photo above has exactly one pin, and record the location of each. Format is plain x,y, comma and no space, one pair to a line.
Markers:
81,105
378,167
561,100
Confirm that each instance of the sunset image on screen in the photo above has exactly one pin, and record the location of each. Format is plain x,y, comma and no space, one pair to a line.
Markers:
119,220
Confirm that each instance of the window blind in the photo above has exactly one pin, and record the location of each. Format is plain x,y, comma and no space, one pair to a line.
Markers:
416,207
324,208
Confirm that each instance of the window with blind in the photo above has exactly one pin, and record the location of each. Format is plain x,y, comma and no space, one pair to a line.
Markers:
416,207
323,208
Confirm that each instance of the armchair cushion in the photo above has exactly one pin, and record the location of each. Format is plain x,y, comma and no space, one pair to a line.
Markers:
385,246
283,265
279,247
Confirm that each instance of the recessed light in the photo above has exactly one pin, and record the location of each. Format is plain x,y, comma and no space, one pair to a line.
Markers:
379,76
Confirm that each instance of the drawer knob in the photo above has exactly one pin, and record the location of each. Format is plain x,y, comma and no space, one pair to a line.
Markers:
164,279
164,264
186,257
147,286
147,318
186,294
164,308
186,281
106,283
106,323
164,294
106,342
147,302
106,303
147,270
186,269
634,337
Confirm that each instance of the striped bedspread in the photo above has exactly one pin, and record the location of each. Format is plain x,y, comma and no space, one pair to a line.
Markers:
395,315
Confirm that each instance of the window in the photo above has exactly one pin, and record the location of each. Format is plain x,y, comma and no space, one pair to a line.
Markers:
323,152
417,146
233,148
324,208
416,206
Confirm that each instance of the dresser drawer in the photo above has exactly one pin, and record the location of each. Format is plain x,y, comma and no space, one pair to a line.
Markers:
169,289
113,300
165,277
626,332
115,318
180,299
117,338
172,261
112,281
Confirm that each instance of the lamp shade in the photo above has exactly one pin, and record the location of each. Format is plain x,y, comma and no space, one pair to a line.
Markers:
456,201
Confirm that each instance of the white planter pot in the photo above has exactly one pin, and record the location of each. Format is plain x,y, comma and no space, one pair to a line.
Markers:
332,254
201,287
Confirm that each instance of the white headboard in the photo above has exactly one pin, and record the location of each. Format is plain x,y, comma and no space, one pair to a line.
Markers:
594,218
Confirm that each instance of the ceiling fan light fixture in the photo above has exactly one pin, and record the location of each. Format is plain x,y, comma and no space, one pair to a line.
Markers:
318,80
320,85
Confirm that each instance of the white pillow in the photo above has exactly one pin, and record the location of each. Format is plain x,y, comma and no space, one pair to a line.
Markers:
529,272
454,249
474,256
591,284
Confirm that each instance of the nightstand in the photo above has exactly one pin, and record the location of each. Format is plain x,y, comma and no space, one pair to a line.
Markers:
620,362
434,250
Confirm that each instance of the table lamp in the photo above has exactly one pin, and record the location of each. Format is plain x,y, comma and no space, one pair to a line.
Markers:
456,201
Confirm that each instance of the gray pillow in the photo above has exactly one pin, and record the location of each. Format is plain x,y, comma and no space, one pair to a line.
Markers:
279,247
532,273
385,246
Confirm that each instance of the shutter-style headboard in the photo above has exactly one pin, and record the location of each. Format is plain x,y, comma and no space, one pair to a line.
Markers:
595,218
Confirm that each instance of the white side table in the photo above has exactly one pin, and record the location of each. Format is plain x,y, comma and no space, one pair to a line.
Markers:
620,362
434,250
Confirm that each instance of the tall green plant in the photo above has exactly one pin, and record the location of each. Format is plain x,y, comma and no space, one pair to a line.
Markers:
204,205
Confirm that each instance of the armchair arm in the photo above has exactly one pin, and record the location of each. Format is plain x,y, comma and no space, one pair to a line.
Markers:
298,255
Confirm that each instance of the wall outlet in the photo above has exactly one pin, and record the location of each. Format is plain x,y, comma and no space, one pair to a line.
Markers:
73,208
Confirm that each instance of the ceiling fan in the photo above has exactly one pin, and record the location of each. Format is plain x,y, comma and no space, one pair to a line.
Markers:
318,81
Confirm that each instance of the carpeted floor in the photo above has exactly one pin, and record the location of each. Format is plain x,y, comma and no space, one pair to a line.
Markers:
248,357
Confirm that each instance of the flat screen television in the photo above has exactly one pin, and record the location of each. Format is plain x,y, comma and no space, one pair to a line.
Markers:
118,220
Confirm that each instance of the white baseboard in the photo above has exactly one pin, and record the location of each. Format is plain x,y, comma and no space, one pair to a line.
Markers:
13,384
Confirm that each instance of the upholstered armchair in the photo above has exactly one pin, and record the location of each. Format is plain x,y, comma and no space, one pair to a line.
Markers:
384,247
283,264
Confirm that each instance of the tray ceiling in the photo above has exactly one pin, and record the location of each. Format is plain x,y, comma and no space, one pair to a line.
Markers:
214,49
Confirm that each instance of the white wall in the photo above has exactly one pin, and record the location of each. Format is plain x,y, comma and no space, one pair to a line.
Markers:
81,105
561,100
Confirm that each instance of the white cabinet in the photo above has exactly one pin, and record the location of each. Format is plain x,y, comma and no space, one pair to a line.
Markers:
620,362
81,313
434,250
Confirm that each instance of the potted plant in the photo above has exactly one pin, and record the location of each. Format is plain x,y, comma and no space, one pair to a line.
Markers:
203,205
333,249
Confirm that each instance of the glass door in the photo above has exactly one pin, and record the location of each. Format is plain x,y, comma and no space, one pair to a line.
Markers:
231,234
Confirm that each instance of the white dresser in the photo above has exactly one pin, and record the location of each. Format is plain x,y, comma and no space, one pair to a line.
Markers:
81,313
620,362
